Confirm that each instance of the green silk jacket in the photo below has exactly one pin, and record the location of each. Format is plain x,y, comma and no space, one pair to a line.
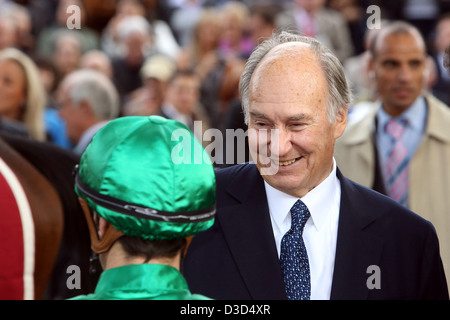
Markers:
141,282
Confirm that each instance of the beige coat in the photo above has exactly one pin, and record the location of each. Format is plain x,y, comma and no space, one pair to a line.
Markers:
429,170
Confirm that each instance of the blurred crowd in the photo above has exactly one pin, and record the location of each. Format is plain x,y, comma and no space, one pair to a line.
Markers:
180,59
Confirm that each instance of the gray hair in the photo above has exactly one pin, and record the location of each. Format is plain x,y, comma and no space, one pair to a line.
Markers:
94,87
133,24
339,95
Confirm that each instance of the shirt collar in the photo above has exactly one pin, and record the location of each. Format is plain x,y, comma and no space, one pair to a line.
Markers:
141,279
319,201
415,115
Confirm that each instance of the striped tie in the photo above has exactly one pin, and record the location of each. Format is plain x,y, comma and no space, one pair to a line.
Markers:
294,258
396,166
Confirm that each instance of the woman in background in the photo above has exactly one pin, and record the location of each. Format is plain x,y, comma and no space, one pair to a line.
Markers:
22,94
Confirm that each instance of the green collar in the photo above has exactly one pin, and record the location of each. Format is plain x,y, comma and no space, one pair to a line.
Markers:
141,282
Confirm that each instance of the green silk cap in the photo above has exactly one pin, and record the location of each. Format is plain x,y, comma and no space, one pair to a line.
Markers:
149,177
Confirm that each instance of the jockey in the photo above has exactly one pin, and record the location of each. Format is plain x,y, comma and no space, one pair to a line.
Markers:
144,194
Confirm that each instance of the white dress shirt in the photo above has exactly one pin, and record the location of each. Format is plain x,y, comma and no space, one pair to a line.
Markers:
320,232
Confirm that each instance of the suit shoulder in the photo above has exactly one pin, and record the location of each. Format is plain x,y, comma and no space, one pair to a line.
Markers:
234,184
228,174
437,103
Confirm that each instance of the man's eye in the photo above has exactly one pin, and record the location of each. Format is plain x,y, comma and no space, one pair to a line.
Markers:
297,126
390,64
415,64
261,124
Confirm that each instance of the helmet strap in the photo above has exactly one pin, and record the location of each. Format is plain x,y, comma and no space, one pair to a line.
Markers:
110,236
188,242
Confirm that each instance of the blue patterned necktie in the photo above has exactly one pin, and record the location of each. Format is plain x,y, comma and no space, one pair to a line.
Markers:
294,258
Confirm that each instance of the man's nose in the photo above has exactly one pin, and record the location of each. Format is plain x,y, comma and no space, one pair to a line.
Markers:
405,74
280,142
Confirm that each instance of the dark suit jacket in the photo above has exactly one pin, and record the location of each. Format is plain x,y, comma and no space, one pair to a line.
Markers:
237,257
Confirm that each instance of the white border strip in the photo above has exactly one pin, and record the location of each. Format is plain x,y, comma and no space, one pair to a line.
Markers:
27,228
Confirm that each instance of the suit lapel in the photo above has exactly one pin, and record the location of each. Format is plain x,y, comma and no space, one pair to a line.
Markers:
251,241
356,248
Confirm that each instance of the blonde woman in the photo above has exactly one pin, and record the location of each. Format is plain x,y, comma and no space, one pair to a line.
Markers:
22,94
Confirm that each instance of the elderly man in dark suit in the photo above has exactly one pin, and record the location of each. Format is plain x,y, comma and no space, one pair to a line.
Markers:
291,225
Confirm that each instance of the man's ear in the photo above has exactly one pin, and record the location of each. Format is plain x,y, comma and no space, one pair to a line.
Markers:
370,69
85,106
341,123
